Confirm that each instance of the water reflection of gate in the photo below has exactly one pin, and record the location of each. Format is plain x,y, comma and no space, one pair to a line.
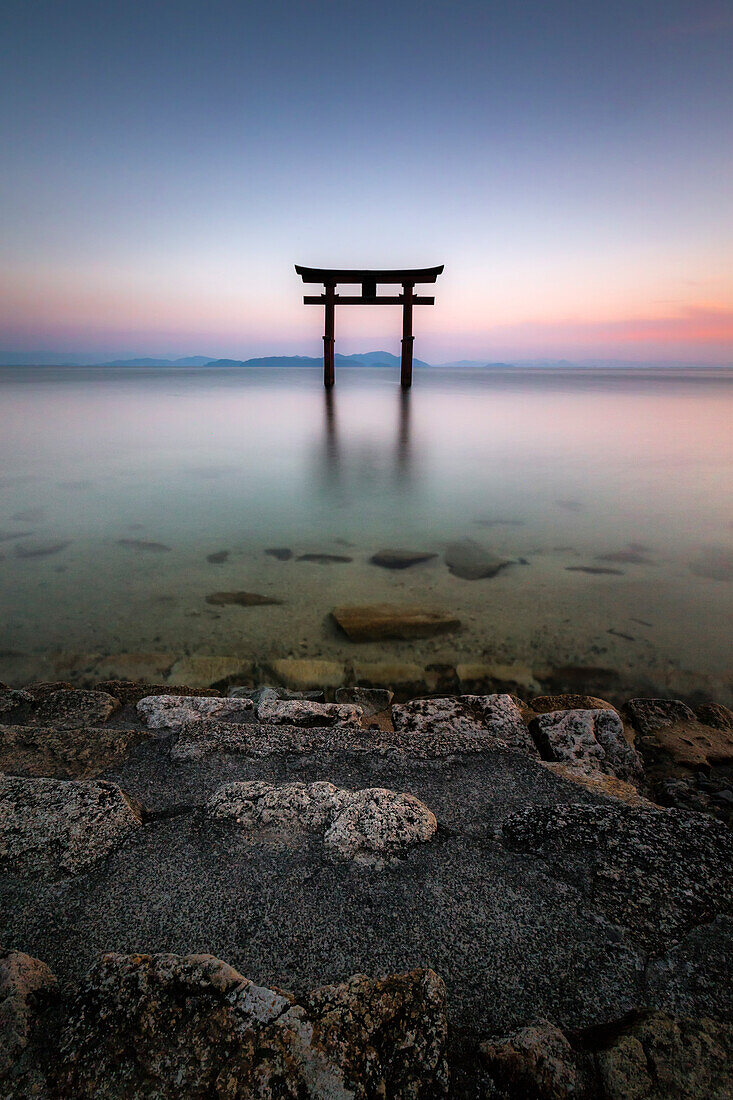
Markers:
347,463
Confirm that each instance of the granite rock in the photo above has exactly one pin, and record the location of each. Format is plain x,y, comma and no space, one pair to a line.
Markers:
497,719
74,708
536,1062
371,700
25,983
302,712
63,753
51,828
170,1026
370,825
172,712
592,740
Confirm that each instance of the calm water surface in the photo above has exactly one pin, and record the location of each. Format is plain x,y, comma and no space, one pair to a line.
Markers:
115,486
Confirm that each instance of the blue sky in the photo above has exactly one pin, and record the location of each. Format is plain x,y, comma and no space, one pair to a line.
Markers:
166,164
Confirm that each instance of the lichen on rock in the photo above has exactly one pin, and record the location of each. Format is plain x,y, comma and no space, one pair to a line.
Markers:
497,719
591,740
171,712
369,825
303,712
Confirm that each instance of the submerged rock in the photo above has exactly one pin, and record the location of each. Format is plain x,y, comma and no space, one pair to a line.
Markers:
714,564
282,553
218,557
174,711
240,599
400,559
201,671
375,622
494,719
325,559
40,549
367,825
174,1026
592,740
471,561
50,828
594,570
143,544
304,673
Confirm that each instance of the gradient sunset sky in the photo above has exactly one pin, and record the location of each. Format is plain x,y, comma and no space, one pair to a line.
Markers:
166,163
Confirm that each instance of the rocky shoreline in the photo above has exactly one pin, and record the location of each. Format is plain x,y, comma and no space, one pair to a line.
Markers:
251,891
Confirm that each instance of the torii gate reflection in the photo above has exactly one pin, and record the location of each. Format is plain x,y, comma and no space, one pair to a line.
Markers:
334,462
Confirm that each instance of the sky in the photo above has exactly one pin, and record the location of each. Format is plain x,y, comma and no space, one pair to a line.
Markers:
165,164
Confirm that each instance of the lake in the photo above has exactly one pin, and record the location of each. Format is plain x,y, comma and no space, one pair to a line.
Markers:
607,492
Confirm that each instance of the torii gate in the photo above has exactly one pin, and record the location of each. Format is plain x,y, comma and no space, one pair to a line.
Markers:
331,277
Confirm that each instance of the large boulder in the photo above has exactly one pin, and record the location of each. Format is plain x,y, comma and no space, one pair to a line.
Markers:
471,561
27,986
170,1026
670,727
369,825
50,828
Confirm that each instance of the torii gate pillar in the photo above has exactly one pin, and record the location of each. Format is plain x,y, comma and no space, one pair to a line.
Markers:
329,299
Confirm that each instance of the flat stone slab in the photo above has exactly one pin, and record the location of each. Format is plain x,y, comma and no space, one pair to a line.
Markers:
50,828
592,740
172,712
377,621
302,712
75,707
370,825
494,718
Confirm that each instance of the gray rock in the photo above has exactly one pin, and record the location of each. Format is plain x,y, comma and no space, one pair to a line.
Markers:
369,825
74,708
50,828
13,702
256,694
172,712
496,719
301,712
173,1026
648,715
400,559
592,740
471,561
371,700
655,871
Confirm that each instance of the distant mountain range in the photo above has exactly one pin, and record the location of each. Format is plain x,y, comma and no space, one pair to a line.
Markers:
364,359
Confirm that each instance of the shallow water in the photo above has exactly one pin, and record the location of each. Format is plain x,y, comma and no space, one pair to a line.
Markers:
117,484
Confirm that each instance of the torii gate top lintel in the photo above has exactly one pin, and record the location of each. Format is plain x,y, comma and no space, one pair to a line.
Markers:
369,278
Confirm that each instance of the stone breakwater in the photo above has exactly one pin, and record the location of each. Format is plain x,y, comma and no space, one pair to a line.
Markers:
269,895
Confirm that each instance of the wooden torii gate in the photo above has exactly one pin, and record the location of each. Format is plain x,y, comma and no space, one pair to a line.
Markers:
331,277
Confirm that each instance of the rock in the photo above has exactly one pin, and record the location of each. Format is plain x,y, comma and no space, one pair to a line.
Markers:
50,828
139,667
481,678
634,554
131,691
325,559
26,988
536,1063
13,702
240,599
144,545
172,1026
218,557
594,570
715,564
375,622
408,679
257,694
715,715
62,753
74,708
591,740
302,674
546,704
673,728
367,825
400,559
171,712
39,549
599,783
654,871
661,1057
301,712
282,553
494,719
471,561
203,672
11,536
370,700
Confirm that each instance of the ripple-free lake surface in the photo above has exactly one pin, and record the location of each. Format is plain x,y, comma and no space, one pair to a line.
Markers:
116,485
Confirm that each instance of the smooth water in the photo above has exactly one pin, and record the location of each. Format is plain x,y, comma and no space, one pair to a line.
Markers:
116,484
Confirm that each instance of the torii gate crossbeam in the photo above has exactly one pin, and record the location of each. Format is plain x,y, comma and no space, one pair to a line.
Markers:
369,279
